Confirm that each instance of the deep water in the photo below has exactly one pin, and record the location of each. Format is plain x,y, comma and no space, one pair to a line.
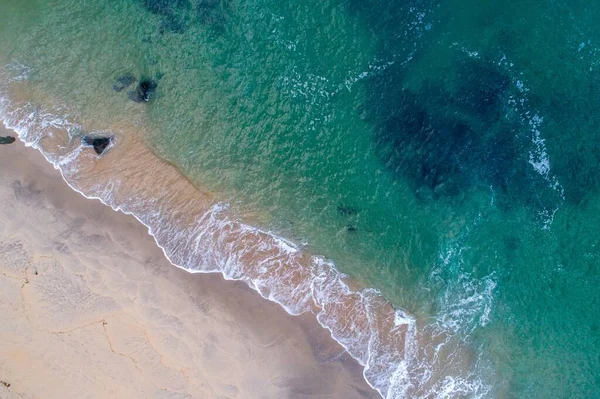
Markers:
445,153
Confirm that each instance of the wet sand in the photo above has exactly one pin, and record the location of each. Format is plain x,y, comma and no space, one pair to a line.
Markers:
90,308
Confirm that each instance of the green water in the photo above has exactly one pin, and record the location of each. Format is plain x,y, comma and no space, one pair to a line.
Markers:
445,153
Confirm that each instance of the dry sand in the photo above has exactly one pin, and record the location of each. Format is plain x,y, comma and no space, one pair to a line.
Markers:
90,308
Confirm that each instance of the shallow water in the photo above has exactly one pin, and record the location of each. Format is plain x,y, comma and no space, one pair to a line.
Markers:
444,153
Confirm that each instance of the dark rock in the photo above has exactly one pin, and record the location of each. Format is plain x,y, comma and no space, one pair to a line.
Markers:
7,140
99,143
351,229
123,82
144,90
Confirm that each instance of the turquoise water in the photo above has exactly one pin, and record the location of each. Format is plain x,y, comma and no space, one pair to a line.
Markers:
444,153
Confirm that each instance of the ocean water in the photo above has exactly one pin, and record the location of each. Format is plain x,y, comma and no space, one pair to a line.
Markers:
423,176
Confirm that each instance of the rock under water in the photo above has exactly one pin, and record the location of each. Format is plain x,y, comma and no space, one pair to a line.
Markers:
144,91
345,210
7,140
165,7
174,14
123,82
177,16
449,137
98,143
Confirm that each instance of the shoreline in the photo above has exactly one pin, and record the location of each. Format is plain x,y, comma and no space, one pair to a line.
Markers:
199,234
318,363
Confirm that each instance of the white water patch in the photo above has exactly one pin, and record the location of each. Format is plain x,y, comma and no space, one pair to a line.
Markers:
16,72
467,301
467,304
318,90
277,36
375,68
538,155
466,51
416,28
310,87
465,307
589,51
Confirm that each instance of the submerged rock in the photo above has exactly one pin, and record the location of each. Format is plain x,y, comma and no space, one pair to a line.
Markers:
174,14
123,82
449,135
144,90
165,7
177,16
171,24
7,140
345,210
99,143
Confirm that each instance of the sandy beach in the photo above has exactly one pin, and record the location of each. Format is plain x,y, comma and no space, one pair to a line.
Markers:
90,308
